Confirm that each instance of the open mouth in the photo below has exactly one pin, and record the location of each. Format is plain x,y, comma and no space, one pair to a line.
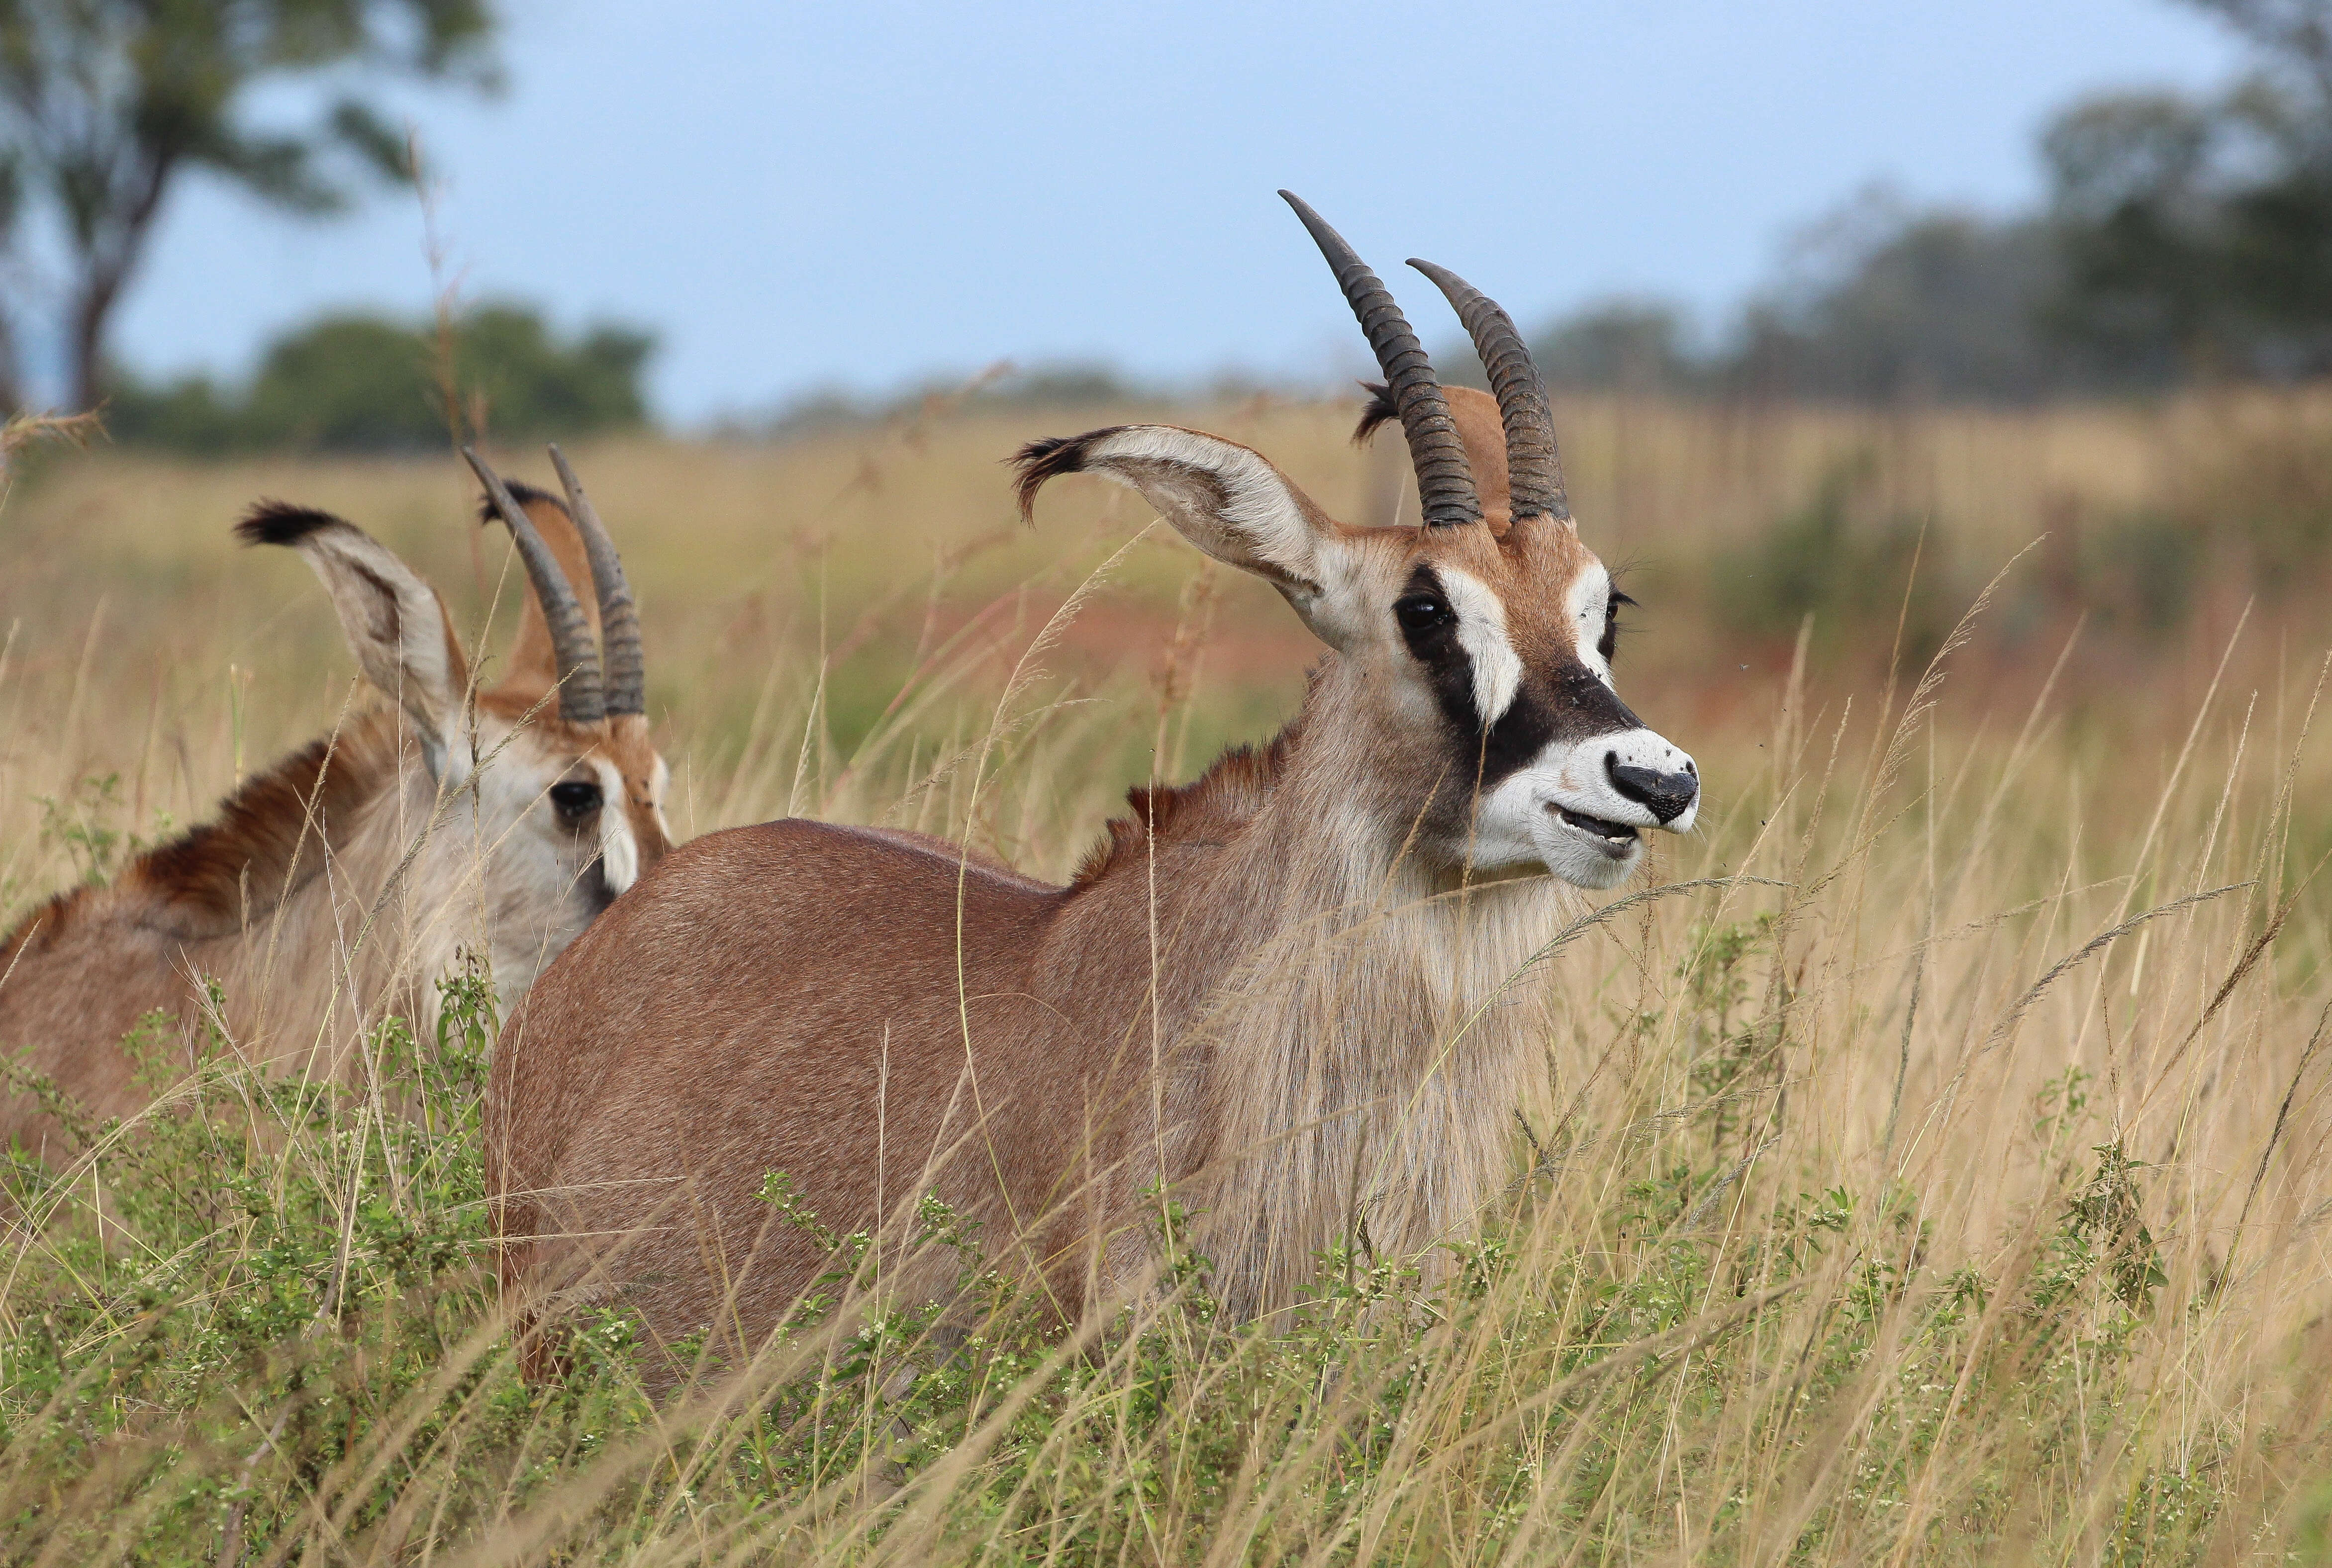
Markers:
1614,837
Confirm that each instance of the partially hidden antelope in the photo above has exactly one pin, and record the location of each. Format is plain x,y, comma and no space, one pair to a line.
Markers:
340,883
1279,992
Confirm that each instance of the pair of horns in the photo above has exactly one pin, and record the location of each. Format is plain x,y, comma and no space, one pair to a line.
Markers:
1445,481
583,695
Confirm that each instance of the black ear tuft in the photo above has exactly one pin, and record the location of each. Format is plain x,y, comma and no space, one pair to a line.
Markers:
1381,408
524,494
281,523
1055,455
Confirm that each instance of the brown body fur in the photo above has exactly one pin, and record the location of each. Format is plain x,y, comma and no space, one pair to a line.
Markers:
1025,1097
223,901
1281,991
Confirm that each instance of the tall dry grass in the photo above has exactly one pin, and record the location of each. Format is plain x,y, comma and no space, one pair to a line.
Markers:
1944,1180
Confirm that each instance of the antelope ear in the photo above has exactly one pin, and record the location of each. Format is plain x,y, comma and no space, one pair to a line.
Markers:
395,624
1223,498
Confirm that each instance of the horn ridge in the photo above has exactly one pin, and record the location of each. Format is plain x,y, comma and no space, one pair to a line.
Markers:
581,698
1534,463
624,664
1445,483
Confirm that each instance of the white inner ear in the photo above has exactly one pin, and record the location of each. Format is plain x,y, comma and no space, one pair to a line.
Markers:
1482,633
392,622
1258,508
1588,603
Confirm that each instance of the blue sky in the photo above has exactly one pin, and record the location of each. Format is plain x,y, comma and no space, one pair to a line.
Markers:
793,197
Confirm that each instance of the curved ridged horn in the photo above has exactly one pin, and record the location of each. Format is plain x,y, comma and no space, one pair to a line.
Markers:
1533,466
1445,484
625,665
581,699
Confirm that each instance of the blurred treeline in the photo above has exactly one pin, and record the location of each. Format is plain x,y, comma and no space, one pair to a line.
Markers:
2184,239
365,382
2223,515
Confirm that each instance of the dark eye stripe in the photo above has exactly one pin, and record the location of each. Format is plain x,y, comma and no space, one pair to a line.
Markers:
1568,700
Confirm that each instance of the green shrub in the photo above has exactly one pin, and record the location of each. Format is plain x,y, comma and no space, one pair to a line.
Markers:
364,383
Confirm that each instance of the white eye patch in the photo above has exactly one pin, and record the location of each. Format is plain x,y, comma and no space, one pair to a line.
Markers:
1482,633
619,852
1588,603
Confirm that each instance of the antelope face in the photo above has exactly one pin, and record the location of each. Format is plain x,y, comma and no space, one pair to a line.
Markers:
572,809
569,815
1471,693
568,785
1495,649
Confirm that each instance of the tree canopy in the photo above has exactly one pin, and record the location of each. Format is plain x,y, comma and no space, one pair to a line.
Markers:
106,105
370,383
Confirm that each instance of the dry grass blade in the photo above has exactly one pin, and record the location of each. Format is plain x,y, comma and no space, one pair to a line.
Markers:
1820,1241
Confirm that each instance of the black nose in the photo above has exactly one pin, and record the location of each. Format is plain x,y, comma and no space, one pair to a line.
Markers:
1666,795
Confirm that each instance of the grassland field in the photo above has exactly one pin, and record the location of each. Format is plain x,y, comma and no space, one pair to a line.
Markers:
1946,1182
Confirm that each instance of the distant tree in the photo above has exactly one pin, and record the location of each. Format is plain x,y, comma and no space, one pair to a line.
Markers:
2138,226
1884,300
2295,35
532,384
345,384
1063,384
105,104
2199,231
363,383
1632,345
192,413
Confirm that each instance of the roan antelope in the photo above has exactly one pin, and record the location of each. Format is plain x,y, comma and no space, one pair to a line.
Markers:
1275,990
339,884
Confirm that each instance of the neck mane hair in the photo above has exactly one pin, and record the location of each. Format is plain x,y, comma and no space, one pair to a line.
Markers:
296,860
1340,1034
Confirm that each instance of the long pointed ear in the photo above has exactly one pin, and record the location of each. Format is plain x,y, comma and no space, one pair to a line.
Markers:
1223,498
394,622
533,664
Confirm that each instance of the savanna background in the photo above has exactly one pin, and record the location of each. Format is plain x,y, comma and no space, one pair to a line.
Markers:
1930,1163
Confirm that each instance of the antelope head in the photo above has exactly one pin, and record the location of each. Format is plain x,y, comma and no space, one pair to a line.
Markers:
584,801
568,786
1470,699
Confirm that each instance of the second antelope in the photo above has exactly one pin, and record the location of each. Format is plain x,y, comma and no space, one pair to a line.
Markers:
339,884
1271,991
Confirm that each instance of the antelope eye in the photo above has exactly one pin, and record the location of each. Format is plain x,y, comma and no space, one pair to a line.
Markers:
1422,612
574,800
1610,640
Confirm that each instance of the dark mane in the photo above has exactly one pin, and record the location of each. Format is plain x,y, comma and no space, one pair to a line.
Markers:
41,926
1218,803
262,844
524,494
